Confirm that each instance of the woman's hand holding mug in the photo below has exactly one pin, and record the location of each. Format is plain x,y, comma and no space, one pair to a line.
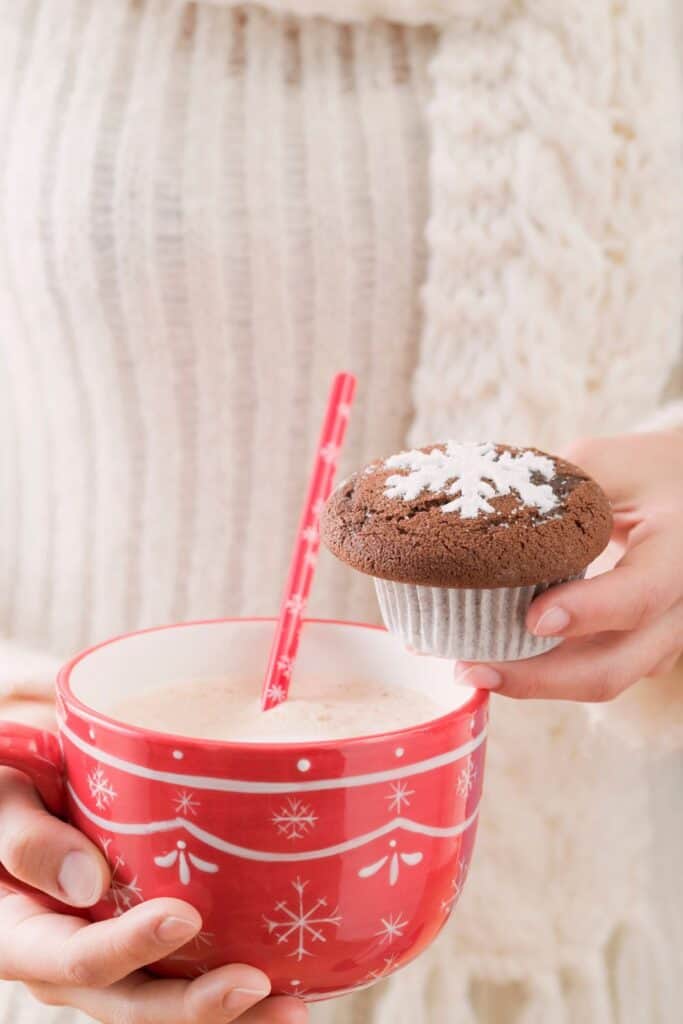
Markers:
204,879
99,968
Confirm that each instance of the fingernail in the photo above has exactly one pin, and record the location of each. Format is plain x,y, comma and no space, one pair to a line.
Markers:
239,999
481,677
175,929
551,622
79,879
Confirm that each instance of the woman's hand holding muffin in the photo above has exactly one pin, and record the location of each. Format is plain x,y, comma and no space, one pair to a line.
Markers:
626,621
478,553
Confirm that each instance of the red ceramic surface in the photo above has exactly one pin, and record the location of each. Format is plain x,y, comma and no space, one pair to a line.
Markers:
329,865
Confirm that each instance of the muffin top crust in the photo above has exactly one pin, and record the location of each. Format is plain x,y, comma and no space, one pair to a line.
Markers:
468,515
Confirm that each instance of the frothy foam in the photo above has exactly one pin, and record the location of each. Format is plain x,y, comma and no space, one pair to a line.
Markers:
222,709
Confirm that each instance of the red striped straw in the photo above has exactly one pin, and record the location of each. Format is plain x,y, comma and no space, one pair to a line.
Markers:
305,554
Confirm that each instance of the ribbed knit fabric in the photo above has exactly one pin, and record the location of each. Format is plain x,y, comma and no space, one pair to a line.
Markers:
400,12
200,223
207,209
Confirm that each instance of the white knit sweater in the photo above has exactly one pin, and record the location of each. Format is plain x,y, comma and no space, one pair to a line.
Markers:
207,209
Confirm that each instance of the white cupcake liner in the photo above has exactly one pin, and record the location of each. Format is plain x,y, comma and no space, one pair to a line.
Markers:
466,625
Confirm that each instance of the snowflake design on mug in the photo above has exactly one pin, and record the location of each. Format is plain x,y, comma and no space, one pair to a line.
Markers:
390,964
466,778
456,885
101,788
294,819
391,928
185,803
123,894
302,926
398,796
203,939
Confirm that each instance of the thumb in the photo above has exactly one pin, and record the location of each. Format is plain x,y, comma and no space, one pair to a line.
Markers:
44,852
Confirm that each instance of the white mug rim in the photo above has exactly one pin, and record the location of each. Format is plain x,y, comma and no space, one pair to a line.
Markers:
83,711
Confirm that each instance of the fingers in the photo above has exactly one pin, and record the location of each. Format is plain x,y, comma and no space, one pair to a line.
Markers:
644,585
604,458
666,665
225,994
235,992
593,669
633,465
43,851
77,954
95,968
103,953
279,1010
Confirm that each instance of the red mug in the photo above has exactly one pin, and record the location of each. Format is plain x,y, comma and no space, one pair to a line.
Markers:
328,865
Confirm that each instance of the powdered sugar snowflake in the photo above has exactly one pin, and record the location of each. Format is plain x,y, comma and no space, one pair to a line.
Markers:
294,819
101,788
475,472
466,778
300,924
284,664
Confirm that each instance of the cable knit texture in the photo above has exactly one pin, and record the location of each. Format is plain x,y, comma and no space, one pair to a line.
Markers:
207,209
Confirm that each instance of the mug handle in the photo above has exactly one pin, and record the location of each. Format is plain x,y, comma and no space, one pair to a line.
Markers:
36,753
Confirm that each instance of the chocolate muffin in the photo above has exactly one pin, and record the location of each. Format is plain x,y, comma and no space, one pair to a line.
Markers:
461,538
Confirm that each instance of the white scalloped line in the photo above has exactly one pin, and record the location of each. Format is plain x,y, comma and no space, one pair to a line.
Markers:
242,786
152,827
